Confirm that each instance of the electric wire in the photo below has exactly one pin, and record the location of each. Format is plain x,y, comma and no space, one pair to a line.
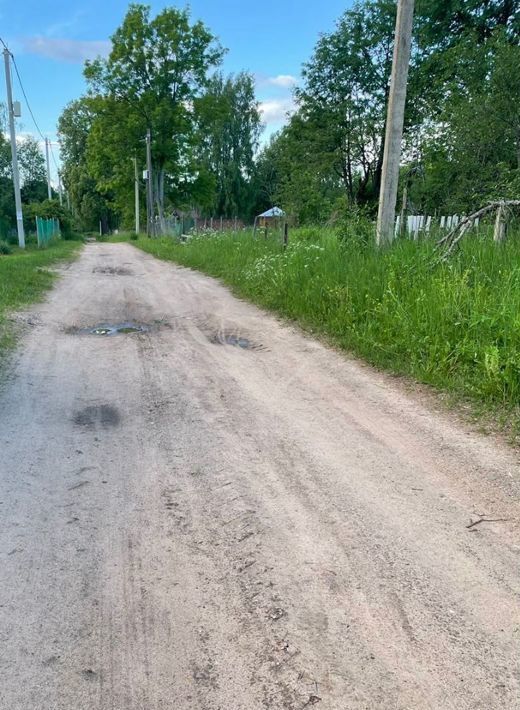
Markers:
29,105
26,99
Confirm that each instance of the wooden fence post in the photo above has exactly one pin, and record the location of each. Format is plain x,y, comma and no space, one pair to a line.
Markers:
500,224
285,235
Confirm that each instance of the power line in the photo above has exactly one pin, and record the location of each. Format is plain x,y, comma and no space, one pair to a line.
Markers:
29,106
26,99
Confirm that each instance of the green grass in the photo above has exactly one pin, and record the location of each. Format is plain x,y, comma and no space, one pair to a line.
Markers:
24,278
455,327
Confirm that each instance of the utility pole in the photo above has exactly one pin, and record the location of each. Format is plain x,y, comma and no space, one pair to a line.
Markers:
150,226
136,189
394,122
49,189
14,154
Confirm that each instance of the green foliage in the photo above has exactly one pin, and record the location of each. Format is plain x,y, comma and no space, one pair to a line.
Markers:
5,248
156,69
476,156
32,175
48,209
462,124
228,129
455,327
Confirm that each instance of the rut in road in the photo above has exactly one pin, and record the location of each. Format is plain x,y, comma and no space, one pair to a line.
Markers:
220,513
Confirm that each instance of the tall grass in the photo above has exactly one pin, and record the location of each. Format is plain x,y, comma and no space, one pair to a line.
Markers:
24,277
455,326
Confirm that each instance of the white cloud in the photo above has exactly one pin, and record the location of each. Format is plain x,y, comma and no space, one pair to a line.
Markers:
284,81
276,110
66,50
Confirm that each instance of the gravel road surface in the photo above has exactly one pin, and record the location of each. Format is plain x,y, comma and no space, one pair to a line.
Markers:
219,513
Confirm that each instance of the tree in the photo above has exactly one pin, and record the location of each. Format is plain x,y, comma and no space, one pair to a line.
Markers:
345,92
228,126
89,204
293,172
471,153
156,69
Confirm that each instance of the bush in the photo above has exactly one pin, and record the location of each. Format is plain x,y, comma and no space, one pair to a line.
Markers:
49,209
134,236
5,248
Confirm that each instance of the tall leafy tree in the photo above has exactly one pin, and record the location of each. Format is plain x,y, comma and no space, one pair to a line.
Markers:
155,70
228,128
90,205
345,92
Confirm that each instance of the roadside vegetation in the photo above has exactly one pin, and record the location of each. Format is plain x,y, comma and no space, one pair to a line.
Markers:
455,326
25,276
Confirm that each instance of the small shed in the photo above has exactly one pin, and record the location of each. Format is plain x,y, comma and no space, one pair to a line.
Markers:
270,218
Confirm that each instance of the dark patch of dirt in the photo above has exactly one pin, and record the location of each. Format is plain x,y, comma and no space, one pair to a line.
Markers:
112,270
102,415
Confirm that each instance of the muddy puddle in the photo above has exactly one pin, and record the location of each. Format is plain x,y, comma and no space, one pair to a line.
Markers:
106,330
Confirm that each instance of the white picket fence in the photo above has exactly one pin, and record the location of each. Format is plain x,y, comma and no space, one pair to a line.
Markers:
417,223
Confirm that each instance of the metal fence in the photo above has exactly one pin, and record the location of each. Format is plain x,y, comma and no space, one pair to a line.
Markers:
47,229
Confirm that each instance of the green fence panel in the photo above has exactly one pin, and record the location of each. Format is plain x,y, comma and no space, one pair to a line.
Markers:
47,229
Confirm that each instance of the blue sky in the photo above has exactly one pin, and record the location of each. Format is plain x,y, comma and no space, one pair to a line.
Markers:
51,39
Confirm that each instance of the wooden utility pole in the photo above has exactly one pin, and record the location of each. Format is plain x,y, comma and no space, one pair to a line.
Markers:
49,188
14,155
150,226
136,196
394,122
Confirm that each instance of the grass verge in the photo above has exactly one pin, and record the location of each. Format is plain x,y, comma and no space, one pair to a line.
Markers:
455,327
24,278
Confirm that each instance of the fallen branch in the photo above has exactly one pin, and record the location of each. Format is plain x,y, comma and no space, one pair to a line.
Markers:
452,239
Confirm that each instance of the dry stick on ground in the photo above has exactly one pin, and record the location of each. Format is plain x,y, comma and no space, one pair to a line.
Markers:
452,239
486,520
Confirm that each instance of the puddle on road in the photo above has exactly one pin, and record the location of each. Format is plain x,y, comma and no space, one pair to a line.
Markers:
236,341
109,329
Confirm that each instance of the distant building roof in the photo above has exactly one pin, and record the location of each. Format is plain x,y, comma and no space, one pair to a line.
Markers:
273,212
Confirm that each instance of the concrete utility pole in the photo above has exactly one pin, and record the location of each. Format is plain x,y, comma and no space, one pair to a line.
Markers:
60,191
136,189
394,122
14,154
150,226
49,188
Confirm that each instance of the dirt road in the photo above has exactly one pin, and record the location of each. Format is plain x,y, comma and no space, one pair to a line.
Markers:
221,514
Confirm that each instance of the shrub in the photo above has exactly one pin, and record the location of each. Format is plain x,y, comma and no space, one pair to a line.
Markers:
5,248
